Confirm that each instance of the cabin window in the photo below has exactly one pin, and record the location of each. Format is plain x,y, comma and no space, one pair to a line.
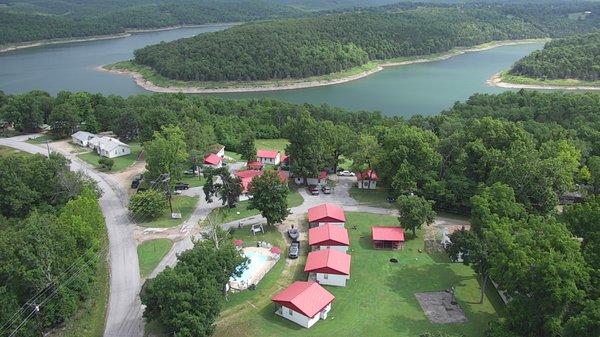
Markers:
325,276
290,312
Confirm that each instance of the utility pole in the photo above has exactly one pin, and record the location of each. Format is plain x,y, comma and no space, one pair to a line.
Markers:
36,309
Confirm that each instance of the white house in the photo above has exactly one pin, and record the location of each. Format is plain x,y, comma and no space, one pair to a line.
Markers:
270,157
109,147
330,266
82,138
329,236
218,150
303,303
213,160
367,180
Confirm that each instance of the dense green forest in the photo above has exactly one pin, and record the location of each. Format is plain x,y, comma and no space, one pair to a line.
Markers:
52,240
505,158
575,57
45,19
299,48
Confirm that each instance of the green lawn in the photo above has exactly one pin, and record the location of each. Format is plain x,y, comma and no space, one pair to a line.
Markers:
181,203
41,139
225,214
150,253
234,155
194,181
88,321
379,298
121,163
272,144
376,197
7,151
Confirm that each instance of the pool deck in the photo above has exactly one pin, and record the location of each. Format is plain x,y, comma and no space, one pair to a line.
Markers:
260,272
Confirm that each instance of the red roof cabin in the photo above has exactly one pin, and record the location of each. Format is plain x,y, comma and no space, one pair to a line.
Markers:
367,180
246,177
388,237
213,160
303,303
326,213
254,165
329,236
331,267
268,157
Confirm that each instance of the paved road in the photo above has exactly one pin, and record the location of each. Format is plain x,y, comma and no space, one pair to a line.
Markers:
124,313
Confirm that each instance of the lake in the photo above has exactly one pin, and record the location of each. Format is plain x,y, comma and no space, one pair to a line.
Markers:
425,88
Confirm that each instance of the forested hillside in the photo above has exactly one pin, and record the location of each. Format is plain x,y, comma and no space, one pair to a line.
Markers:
29,20
299,48
576,57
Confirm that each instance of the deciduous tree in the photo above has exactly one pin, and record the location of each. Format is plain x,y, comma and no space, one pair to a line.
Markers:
269,196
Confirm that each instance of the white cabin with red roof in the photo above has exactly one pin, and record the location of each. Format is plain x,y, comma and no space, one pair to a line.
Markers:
326,213
367,180
268,157
330,267
213,160
329,236
303,303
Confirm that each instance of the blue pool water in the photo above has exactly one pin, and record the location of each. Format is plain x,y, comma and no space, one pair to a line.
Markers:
256,261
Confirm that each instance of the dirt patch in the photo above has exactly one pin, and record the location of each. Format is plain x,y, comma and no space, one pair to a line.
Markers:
126,176
440,307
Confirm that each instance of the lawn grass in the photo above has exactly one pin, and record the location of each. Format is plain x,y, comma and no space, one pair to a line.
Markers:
193,180
234,155
379,299
181,203
226,214
150,253
89,320
7,151
375,198
41,139
121,163
272,144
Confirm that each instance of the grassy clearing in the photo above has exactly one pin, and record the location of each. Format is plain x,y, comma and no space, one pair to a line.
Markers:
121,163
41,139
181,203
150,253
225,214
379,299
518,79
89,320
376,197
235,156
150,75
272,144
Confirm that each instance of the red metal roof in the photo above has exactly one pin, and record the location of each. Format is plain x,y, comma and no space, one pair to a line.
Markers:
326,213
238,242
285,158
267,154
212,159
307,298
388,233
328,235
323,175
275,250
254,165
247,175
367,175
328,261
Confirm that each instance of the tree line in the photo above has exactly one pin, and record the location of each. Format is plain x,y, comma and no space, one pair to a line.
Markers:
332,42
52,240
575,57
40,20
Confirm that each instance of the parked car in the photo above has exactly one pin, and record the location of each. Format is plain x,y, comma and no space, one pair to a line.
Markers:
326,189
181,186
313,189
293,234
390,199
135,183
346,174
294,250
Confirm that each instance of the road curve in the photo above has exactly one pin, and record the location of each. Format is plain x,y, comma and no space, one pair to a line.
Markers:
124,312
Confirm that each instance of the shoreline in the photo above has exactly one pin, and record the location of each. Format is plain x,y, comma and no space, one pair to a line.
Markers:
303,84
496,81
125,33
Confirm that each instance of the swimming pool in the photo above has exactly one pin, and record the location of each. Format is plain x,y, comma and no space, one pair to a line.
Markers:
255,264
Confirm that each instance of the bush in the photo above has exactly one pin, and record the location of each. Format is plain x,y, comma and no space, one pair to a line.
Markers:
106,163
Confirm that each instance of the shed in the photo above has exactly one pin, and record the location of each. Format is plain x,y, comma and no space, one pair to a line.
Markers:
329,236
326,213
388,237
367,179
330,266
303,303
